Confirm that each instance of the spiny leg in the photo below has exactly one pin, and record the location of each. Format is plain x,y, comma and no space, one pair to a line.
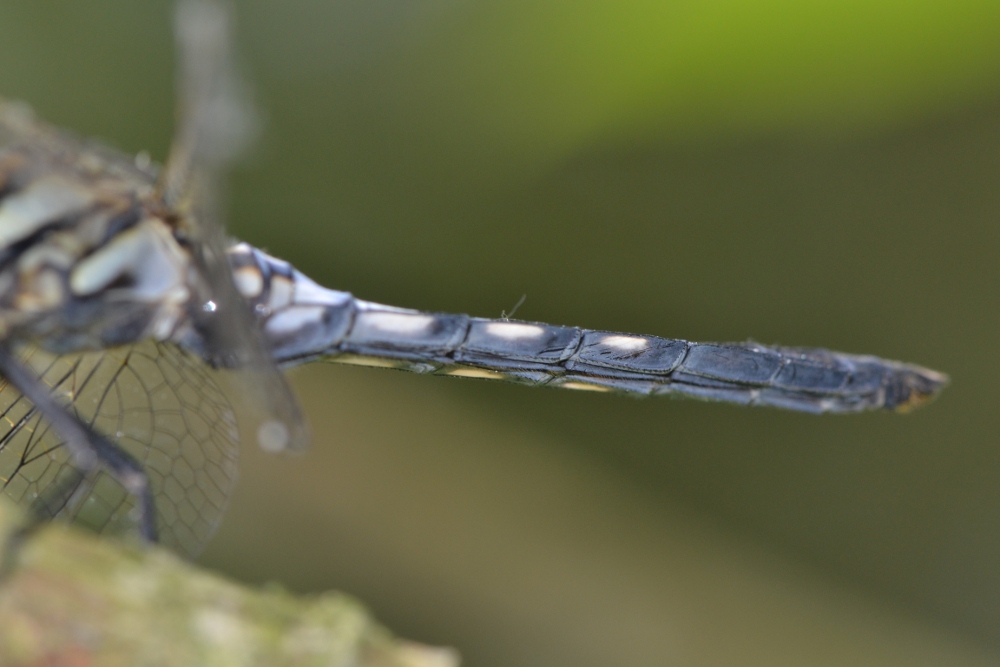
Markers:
89,451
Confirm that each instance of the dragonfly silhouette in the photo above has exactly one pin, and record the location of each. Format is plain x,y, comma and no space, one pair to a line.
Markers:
120,299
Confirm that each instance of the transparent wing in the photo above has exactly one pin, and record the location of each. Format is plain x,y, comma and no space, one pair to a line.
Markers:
159,403
214,123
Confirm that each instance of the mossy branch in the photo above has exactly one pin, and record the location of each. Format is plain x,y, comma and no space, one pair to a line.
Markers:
74,599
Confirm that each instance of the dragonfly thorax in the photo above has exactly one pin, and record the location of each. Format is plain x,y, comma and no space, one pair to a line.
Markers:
87,258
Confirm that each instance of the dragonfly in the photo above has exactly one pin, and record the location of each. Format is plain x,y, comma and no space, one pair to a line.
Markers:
125,310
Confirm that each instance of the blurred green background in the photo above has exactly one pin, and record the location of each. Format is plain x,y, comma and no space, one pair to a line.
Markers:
819,173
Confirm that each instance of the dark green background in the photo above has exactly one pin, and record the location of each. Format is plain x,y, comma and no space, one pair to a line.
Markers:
801,173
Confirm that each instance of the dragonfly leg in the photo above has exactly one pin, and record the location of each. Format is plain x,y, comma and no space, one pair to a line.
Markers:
89,451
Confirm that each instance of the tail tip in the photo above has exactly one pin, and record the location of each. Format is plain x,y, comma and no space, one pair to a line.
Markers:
914,387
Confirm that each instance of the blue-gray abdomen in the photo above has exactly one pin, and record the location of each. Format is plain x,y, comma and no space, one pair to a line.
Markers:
303,321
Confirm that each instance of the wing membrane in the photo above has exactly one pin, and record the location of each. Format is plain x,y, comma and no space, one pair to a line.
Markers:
159,403
214,125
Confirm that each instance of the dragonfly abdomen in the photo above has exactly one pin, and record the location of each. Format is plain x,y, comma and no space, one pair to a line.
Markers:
303,321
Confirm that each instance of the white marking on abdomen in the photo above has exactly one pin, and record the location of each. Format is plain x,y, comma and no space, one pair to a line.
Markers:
583,386
281,293
514,331
627,343
481,373
293,319
397,323
248,281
